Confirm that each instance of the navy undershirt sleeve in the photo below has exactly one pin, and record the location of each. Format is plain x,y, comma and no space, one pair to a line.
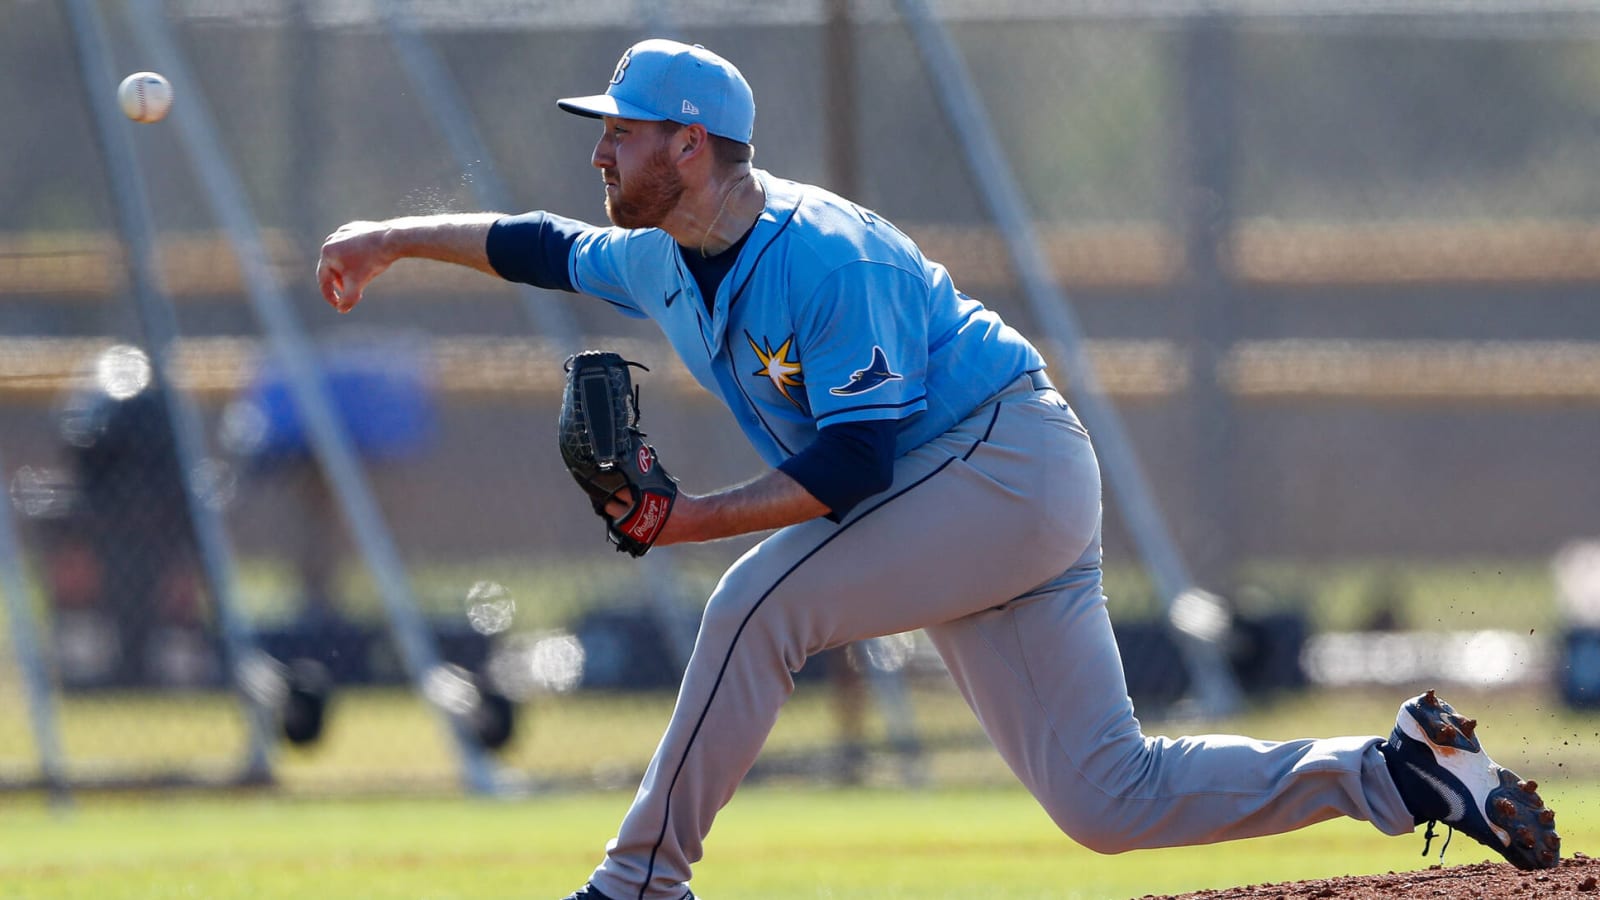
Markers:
846,464
533,248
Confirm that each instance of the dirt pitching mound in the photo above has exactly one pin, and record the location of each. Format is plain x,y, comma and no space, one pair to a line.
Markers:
1578,877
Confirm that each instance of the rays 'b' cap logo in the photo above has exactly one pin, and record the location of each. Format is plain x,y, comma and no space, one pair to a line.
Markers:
659,80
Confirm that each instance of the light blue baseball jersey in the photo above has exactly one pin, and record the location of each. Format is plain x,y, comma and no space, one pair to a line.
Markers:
830,315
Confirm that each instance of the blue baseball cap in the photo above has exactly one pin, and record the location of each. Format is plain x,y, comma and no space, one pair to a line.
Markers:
660,80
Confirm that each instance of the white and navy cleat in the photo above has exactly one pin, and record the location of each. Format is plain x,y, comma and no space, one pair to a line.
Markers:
1445,776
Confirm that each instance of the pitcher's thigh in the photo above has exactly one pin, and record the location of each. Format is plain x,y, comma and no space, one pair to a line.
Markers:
942,548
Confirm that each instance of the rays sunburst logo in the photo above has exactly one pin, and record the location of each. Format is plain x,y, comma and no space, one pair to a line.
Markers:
778,367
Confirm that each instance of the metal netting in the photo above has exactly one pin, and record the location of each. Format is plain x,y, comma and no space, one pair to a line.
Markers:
1336,262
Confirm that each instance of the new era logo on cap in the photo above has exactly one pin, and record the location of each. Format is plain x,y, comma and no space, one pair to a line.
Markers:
660,80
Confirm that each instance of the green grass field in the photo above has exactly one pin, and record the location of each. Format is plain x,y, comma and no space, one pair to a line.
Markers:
977,836
774,843
374,811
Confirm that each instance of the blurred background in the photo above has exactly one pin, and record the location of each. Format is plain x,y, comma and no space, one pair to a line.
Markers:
1335,261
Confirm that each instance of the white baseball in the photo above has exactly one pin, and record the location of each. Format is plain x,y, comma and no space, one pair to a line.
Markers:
145,96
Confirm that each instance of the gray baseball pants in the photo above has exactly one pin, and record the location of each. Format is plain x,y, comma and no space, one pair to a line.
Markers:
989,540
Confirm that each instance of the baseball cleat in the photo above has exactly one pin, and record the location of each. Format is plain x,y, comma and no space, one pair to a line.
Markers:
1445,776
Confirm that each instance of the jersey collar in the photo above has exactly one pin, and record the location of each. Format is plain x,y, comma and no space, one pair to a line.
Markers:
783,201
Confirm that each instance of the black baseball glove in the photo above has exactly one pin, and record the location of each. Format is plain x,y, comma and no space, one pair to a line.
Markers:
604,449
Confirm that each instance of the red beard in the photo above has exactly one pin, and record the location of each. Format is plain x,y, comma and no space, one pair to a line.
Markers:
645,199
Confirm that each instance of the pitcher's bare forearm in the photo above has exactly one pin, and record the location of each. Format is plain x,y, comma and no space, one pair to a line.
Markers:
773,500
359,252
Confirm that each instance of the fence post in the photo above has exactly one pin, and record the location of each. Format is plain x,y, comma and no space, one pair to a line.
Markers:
1198,621
1205,184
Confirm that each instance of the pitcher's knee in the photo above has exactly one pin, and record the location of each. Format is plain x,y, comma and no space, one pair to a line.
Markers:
1108,844
1101,832
733,621
1109,813
1094,828
723,617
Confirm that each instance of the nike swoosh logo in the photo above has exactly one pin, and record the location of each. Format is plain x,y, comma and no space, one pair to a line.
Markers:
1458,808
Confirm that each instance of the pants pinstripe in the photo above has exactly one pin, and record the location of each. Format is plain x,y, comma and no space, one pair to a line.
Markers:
989,539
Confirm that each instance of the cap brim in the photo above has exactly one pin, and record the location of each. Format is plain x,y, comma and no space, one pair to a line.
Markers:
597,105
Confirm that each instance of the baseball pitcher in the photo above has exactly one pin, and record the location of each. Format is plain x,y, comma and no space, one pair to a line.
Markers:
924,474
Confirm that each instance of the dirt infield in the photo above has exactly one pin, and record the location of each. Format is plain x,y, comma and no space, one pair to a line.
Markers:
1578,877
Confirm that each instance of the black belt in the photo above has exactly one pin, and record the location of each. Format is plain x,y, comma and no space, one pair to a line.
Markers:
1041,381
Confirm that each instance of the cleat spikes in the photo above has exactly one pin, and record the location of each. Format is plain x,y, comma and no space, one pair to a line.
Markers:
1446,777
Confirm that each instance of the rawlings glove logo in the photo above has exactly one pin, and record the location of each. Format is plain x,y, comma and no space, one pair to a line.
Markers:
648,519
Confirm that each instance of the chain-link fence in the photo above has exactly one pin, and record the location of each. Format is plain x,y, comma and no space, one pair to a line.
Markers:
1336,263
